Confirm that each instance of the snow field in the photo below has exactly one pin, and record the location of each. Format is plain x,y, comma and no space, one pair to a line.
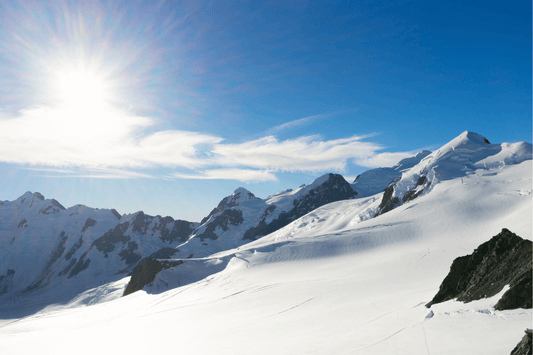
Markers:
327,283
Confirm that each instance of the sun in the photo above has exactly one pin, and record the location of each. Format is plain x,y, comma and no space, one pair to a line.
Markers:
80,89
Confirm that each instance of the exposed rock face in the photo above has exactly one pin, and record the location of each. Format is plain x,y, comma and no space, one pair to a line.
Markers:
233,200
525,346
334,189
506,259
223,221
145,272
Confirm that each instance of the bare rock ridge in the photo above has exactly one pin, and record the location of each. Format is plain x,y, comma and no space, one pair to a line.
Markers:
525,346
336,188
506,259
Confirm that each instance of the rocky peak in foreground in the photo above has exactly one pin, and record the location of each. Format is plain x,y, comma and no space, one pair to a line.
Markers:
506,259
525,346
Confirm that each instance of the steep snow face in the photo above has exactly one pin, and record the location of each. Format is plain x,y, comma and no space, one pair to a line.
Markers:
375,181
328,283
469,153
242,217
50,254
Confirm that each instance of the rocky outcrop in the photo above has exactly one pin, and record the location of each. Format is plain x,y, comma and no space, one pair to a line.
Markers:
223,222
145,272
506,259
525,346
230,201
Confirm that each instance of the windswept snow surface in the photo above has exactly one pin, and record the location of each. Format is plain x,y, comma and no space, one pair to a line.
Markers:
331,282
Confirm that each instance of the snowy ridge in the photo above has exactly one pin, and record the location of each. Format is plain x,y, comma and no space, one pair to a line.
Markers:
469,153
242,217
375,181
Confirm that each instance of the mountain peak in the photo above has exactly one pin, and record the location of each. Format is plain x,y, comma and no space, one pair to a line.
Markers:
241,190
468,137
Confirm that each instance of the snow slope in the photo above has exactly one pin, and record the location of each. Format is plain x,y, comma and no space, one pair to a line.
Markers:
376,180
334,281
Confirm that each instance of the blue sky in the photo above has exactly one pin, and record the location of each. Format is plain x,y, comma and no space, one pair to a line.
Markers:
169,106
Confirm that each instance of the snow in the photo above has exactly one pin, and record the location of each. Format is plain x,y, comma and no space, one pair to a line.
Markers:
335,281
374,181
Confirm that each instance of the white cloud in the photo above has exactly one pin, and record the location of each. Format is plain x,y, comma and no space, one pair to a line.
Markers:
95,139
301,154
108,143
104,173
244,175
383,159
298,122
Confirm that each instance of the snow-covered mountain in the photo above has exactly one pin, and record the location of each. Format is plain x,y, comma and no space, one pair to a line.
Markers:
242,217
344,278
50,251
376,180
469,153
47,248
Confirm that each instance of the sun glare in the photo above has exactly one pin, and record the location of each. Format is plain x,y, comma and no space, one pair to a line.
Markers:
80,89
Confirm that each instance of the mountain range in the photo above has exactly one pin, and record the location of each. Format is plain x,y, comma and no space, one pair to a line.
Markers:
329,267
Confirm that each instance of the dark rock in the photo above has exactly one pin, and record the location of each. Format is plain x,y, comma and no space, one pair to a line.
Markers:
227,202
22,223
115,213
58,205
506,259
387,202
336,188
139,225
106,243
6,281
68,267
74,248
412,194
89,223
164,253
145,272
223,220
172,230
128,255
80,266
525,346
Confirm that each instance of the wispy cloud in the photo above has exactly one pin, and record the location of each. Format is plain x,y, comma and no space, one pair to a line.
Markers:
90,173
295,123
244,175
309,153
116,144
383,159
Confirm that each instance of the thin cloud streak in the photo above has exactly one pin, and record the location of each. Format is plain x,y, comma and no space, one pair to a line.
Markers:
309,153
244,175
295,123
383,159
